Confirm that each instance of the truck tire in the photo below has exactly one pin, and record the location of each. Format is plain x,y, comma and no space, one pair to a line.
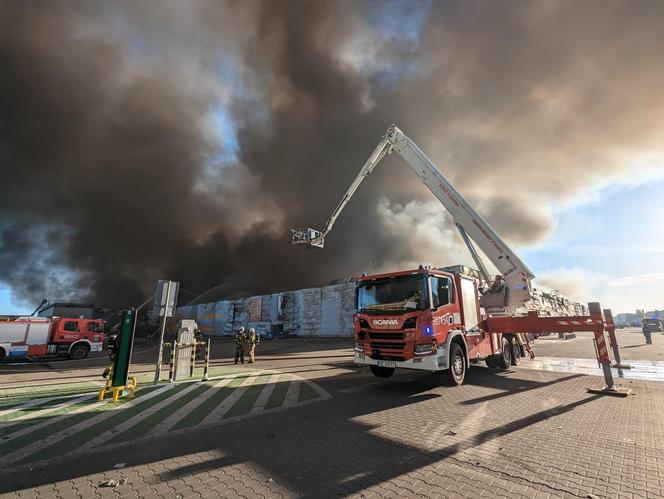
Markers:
2,354
491,361
504,358
455,375
516,351
382,372
79,352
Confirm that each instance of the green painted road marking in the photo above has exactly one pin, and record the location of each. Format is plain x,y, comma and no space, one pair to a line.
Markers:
144,426
34,408
247,400
49,428
278,394
75,414
70,443
198,414
55,427
19,426
307,392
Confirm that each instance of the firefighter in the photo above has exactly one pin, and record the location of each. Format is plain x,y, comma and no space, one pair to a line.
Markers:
199,340
113,354
253,339
239,345
498,283
647,334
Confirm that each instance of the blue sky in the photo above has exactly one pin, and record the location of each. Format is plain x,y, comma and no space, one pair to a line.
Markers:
7,306
620,233
615,242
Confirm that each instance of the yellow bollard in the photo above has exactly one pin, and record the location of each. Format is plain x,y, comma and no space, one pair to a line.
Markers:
192,364
207,360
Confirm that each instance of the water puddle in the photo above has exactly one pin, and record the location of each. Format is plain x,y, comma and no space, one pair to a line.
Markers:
640,369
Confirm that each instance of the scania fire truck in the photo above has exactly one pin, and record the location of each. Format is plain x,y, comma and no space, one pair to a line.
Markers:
40,336
445,319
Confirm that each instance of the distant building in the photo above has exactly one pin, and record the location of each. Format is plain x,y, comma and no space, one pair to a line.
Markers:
655,314
324,311
73,310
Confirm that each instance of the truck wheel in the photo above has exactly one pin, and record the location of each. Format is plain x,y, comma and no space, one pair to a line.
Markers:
2,354
491,361
516,351
78,352
382,372
504,359
455,375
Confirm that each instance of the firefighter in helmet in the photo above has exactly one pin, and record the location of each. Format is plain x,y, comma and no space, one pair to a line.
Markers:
198,343
647,333
113,344
239,345
253,339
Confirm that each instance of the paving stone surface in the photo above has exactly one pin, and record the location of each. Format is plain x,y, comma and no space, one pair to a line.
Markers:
521,433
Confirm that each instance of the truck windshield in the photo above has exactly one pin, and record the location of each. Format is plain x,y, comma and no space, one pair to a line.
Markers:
396,294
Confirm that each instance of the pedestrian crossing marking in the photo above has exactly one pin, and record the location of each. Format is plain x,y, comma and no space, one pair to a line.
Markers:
51,427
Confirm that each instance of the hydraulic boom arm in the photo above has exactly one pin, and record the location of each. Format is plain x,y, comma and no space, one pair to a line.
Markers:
469,222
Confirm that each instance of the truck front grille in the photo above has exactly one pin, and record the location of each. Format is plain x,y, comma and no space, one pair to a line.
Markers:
386,336
388,346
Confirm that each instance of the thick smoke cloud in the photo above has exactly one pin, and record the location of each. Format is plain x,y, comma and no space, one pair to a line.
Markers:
183,139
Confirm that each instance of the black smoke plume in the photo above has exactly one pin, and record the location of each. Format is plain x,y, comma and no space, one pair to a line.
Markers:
113,174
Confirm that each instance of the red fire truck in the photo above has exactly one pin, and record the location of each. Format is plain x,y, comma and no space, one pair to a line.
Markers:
445,319
38,337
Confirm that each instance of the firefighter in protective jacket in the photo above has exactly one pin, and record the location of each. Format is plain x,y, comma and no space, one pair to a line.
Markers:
253,339
239,345
113,354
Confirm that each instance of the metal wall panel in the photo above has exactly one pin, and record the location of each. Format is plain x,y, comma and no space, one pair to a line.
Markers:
324,311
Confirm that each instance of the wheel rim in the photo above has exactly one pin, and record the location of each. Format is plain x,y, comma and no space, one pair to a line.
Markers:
79,353
457,366
507,353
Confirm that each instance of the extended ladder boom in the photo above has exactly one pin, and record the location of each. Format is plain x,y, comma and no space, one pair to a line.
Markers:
469,222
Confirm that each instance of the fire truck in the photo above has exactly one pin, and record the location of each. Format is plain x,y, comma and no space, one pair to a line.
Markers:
41,336
446,319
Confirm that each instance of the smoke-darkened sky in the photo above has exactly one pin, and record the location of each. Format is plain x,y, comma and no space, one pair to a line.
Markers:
182,140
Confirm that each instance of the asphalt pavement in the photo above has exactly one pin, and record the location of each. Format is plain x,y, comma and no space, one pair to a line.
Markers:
517,433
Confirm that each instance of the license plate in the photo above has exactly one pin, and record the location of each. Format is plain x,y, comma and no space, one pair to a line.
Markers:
386,363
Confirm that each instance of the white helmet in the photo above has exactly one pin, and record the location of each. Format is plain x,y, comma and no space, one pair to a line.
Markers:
241,329
252,330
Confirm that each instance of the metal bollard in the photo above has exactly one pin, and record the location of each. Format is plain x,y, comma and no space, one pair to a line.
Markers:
207,360
171,369
192,364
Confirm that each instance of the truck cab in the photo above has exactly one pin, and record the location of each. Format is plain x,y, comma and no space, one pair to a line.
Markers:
413,319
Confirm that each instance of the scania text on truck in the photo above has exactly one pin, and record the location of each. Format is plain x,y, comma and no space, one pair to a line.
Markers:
39,337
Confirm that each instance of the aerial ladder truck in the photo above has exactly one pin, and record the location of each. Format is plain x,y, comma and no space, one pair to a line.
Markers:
446,319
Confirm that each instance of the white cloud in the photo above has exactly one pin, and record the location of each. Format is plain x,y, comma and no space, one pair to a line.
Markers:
621,294
432,238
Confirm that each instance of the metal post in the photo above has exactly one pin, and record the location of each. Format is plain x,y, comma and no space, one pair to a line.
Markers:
611,328
171,369
176,360
603,354
157,373
192,363
133,330
207,360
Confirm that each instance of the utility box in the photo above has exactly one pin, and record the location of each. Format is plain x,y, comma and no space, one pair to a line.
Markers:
186,343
